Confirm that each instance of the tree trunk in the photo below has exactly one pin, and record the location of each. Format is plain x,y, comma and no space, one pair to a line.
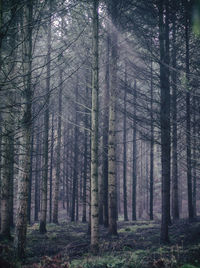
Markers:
124,151
43,213
75,171
105,131
112,193
5,180
26,126
164,117
51,168
134,179
100,182
94,131
151,151
57,179
85,171
188,114
30,176
175,195
8,137
0,158
66,167
194,197
38,157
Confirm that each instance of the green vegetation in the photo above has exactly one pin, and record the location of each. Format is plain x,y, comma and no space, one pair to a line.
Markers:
189,266
127,260
138,246
136,228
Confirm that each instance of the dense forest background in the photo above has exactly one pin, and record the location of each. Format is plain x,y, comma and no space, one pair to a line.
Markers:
99,118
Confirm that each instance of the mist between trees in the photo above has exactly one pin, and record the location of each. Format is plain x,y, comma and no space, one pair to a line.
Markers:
99,114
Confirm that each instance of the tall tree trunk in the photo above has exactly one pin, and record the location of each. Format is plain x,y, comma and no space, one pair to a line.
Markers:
94,131
56,189
165,116
101,183
188,113
31,175
124,151
66,167
194,197
37,172
112,193
26,126
105,130
8,137
75,171
85,171
51,168
77,196
0,158
43,213
5,180
134,178
175,195
151,151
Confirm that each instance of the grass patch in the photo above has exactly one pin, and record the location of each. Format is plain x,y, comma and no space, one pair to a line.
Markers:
126,260
189,266
135,228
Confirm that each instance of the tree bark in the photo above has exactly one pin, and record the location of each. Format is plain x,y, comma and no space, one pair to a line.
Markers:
51,168
188,114
43,212
124,150
75,171
164,117
31,175
151,151
56,189
112,193
38,158
26,126
175,190
134,178
94,131
105,131
194,197
85,171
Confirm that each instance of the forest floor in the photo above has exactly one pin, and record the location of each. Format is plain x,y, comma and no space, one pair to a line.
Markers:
137,246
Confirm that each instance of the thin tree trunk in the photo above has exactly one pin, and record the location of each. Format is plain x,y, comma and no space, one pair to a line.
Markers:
77,196
124,151
75,175
151,151
5,181
85,173
134,179
43,213
30,176
175,195
105,131
51,167
101,183
94,131
164,118
112,193
194,157
66,165
56,189
0,158
26,126
38,157
188,114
